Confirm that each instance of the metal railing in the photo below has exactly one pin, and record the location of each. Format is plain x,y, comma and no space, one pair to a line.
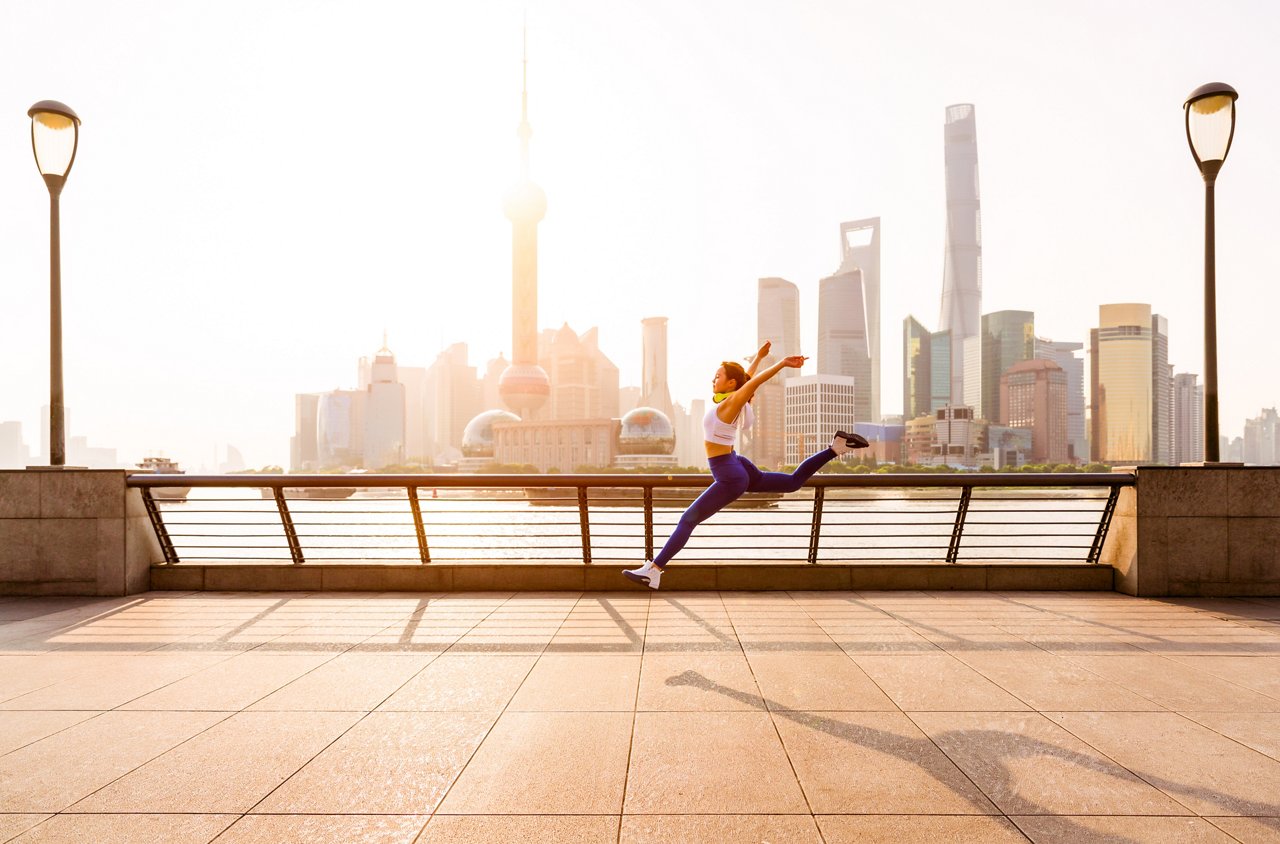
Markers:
420,518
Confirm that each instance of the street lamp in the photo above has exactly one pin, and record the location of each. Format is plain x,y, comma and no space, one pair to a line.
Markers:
55,134
1211,124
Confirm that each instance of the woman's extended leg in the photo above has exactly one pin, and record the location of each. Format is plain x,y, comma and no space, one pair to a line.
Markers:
731,482
781,481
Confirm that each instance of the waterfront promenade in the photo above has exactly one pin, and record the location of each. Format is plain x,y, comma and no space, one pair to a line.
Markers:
630,717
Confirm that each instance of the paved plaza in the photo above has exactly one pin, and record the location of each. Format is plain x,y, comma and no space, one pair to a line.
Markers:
629,717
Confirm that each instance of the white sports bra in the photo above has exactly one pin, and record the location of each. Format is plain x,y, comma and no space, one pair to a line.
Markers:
726,433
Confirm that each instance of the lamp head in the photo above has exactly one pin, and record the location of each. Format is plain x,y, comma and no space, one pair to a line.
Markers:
55,135
1211,124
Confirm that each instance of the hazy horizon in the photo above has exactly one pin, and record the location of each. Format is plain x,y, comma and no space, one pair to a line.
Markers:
262,189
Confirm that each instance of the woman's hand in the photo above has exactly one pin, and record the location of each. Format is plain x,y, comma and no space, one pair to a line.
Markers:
794,361
764,350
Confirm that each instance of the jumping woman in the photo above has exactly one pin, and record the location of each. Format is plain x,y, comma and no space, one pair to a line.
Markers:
733,389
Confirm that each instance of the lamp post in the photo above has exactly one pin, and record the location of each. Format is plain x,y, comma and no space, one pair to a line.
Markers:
1210,114
55,134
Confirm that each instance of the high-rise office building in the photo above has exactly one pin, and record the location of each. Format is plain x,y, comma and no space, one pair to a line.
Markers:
653,371
1064,355
384,414
1008,338
414,379
778,316
1261,445
1161,392
1033,395
524,385
340,429
584,382
13,451
962,263
973,383
304,454
778,321
1128,369
917,345
849,315
452,397
816,407
941,348
1188,419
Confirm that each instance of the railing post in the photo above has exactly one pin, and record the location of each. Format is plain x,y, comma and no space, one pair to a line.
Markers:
957,531
815,528
416,507
162,533
290,534
648,523
1104,524
586,527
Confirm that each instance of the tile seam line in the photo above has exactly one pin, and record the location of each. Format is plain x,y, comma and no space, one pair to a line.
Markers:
635,710
489,730
906,715
329,744
764,706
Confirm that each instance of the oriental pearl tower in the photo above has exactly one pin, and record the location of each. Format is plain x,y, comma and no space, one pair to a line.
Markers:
524,385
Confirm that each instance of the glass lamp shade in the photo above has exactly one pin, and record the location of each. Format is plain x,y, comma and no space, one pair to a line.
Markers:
55,131
1211,120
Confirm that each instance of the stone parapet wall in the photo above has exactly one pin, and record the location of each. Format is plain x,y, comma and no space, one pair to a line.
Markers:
73,532
1192,530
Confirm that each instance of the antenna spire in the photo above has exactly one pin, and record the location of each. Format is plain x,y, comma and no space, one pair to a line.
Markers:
525,132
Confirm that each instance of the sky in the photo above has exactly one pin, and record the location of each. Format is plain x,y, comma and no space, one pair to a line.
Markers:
263,188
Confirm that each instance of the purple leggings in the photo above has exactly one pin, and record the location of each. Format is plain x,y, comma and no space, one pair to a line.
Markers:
735,475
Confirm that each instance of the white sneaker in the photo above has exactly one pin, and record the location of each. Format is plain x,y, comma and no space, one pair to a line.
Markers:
648,575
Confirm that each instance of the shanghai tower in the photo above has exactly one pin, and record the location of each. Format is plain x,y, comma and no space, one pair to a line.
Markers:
962,264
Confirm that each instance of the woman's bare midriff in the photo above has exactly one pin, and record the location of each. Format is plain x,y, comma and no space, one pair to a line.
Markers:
716,449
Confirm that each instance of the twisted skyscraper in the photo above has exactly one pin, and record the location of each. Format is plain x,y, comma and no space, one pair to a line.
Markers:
962,264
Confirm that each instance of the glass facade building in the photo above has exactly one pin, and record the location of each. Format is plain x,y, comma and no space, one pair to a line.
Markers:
1008,338
1122,381
962,260
917,345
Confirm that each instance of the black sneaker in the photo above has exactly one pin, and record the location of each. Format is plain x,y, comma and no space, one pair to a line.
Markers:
853,440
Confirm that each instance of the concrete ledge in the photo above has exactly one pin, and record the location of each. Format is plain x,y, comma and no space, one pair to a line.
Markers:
605,577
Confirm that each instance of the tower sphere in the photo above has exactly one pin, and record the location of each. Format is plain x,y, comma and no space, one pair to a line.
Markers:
525,203
524,387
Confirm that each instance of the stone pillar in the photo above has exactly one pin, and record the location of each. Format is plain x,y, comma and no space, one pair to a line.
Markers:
74,532
1198,531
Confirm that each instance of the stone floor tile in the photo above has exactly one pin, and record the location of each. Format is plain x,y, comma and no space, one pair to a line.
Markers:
1204,771
1176,685
18,729
1045,681
557,763
1104,829
389,763
1260,673
127,829
1261,730
504,829
814,681
716,829
1026,764
896,829
11,825
710,763
868,762
462,683
315,829
1250,830
51,774
233,684
352,682
901,642
118,681
568,682
936,682
697,681
227,768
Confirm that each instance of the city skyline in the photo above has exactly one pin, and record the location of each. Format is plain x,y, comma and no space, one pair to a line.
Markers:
241,284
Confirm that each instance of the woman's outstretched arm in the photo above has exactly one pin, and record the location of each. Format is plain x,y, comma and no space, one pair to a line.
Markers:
732,406
760,355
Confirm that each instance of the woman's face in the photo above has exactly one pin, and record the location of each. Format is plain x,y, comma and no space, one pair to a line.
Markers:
722,383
